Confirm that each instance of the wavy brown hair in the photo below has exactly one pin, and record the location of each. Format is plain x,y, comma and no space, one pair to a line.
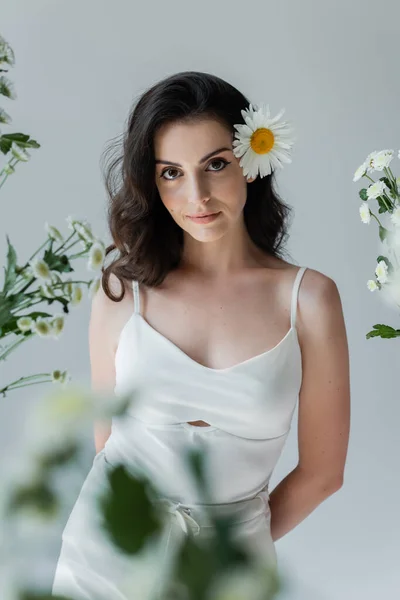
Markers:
147,239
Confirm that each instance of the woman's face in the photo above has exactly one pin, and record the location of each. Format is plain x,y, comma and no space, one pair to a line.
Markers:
197,173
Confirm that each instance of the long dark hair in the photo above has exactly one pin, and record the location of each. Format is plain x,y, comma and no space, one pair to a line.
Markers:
148,241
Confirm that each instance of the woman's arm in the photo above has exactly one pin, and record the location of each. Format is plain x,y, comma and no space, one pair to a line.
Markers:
102,336
324,406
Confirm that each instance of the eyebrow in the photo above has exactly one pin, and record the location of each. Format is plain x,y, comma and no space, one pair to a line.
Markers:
168,162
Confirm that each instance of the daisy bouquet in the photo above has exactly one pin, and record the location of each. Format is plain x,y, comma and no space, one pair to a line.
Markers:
385,191
45,278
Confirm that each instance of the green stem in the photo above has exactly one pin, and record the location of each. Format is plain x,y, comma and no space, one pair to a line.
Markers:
12,347
375,217
14,386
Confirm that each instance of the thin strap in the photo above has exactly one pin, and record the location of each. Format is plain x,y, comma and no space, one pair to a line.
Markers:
295,293
136,297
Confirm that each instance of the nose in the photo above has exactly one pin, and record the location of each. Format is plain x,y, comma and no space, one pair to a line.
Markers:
197,191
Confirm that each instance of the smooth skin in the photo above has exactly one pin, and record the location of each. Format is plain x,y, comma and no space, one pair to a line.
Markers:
226,290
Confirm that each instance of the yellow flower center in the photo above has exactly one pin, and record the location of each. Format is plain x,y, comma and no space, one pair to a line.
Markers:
262,140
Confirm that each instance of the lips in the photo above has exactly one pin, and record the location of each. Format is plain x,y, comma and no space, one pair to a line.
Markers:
201,215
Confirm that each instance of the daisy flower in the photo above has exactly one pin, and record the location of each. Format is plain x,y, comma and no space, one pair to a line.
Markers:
57,324
42,326
375,190
53,233
263,142
365,213
381,272
96,256
40,269
372,285
362,169
25,323
76,295
382,159
94,286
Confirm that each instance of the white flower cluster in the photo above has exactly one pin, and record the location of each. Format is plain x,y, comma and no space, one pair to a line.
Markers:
380,161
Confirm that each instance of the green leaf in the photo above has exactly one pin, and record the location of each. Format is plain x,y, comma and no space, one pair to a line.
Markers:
383,232
383,331
57,262
21,139
363,194
128,514
10,271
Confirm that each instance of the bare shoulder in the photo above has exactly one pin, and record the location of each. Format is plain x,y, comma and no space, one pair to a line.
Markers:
320,312
107,315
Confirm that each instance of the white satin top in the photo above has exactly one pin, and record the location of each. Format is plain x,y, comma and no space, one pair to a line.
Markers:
249,407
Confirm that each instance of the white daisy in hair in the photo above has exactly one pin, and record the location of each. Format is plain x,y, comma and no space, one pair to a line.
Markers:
263,142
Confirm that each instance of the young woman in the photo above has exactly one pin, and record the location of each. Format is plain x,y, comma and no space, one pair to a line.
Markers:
217,334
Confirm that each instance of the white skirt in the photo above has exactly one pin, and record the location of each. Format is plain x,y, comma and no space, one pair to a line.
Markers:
91,567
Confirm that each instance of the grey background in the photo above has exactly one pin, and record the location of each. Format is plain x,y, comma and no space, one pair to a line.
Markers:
334,67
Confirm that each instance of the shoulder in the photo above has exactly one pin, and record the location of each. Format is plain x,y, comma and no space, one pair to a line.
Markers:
320,312
108,316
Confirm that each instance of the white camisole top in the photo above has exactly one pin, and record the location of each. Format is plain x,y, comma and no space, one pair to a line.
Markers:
249,408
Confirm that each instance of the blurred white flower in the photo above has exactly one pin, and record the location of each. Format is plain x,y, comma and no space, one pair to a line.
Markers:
40,269
375,190
360,172
25,323
68,287
96,256
19,153
77,295
381,271
42,326
53,232
365,213
59,376
85,233
94,286
8,169
372,285
57,324
46,291
381,159
395,216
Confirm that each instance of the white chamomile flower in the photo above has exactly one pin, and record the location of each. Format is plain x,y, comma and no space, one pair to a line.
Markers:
77,295
42,326
53,233
96,256
94,286
372,285
58,376
40,269
365,213
375,190
381,271
369,161
381,159
68,287
85,233
25,323
8,168
263,142
19,152
46,291
395,216
57,324
360,172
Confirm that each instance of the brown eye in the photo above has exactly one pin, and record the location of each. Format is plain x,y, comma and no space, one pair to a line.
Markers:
166,171
221,161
